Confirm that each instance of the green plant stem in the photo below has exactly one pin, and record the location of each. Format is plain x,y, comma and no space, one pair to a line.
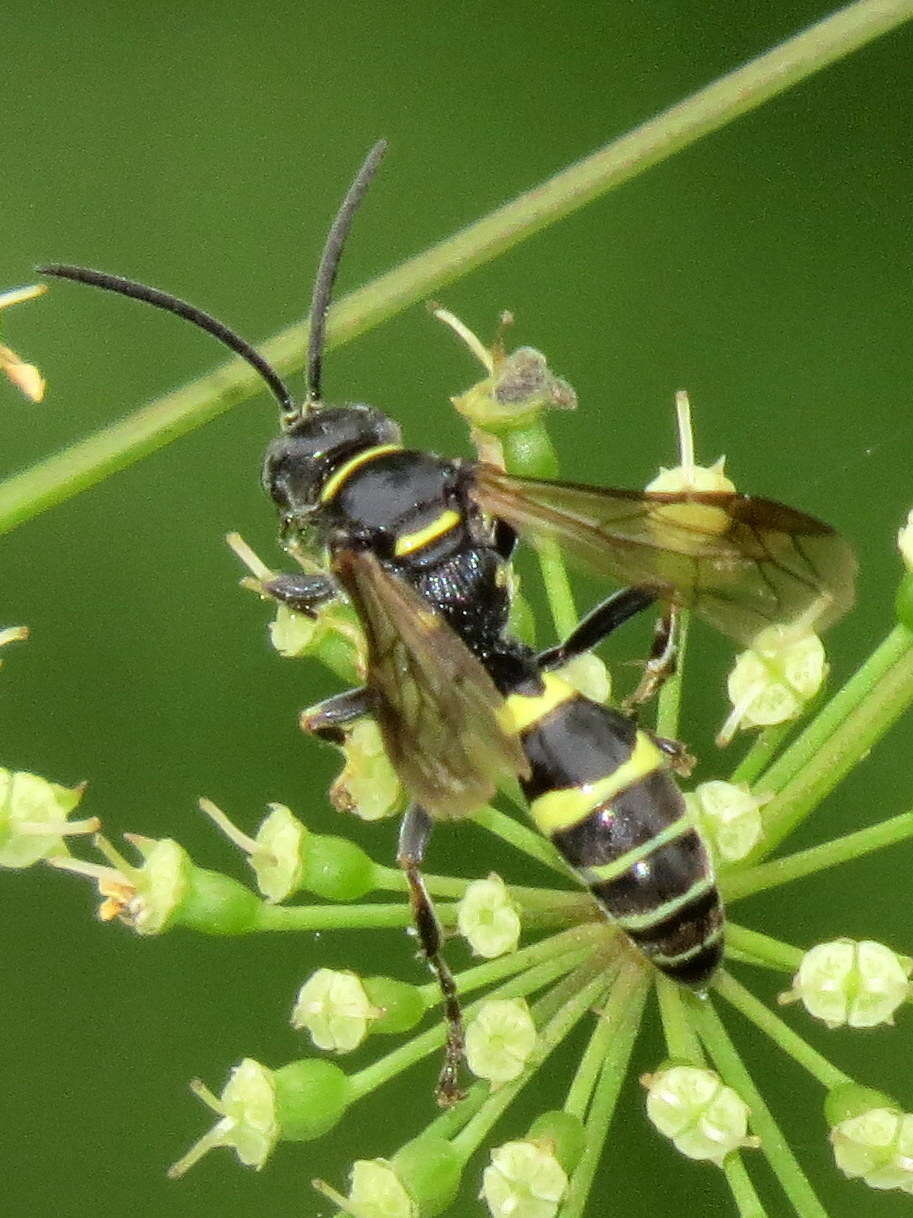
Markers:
780,1033
406,1055
575,904
776,1149
523,839
573,942
558,590
669,703
87,462
764,747
682,1041
743,883
622,1013
570,1011
743,1191
762,949
841,735
588,1070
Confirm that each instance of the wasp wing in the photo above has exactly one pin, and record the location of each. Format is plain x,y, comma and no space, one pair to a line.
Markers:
439,711
741,563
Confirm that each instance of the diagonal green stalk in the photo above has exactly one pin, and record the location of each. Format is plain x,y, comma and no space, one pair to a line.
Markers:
743,1192
755,948
623,1015
743,883
840,736
776,1149
779,1032
681,1039
84,464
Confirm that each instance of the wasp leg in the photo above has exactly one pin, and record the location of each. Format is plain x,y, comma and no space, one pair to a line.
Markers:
303,593
598,624
328,718
505,539
414,833
662,661
680,760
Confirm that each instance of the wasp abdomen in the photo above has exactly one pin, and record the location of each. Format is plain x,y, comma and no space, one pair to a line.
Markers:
601,790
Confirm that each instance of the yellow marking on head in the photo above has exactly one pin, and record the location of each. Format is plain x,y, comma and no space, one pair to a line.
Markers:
562,809
333,483
522,711
408,543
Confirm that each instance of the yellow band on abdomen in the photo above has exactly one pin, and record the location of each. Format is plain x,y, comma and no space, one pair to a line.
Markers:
562,809
523,711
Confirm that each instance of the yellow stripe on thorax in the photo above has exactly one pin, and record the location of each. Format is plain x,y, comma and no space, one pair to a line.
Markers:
333,483
562,809
522,711
408,543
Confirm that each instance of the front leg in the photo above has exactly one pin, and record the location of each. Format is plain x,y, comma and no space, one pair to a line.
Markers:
414,833
598,624
329,718
303,593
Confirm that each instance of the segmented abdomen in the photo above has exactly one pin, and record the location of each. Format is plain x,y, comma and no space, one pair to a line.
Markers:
600,789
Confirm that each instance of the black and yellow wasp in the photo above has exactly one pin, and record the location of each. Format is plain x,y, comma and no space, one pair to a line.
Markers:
421,545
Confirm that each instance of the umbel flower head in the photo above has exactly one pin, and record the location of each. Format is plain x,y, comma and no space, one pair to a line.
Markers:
535,966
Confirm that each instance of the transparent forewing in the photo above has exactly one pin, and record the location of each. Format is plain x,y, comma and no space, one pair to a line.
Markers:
438,709
739,562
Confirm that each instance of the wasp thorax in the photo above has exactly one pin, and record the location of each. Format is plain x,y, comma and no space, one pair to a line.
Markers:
299,462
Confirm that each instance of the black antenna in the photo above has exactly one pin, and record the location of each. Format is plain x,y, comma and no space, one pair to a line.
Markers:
172,304
329,265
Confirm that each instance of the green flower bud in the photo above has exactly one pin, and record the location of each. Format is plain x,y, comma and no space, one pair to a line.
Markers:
844,982
312,1096
488,918
287,857
430,1169
729,817
876,1147
166,890
33,818
333,1006
848,1100
563,1133
260,1106
368,785
500,1040
400,1005
704,1118
772,682
524,1180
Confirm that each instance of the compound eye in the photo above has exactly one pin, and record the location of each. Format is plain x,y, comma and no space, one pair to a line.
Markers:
288,477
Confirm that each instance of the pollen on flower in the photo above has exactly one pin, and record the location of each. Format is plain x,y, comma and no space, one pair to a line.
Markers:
334,1008
488,918
856,983
703,1117
500,1040
523,1180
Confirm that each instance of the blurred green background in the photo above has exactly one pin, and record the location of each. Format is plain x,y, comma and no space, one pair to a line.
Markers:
204,148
